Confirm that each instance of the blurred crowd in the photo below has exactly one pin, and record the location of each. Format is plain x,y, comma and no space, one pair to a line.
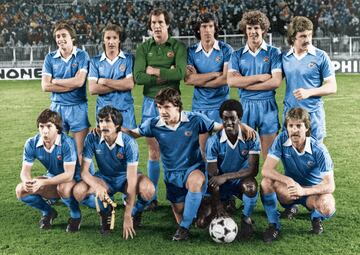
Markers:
25,23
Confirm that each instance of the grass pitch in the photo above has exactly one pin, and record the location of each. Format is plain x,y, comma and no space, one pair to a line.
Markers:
21,102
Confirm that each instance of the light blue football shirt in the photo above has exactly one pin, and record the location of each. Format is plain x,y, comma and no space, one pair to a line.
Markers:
63,152
59,68
112,160
117,69
266,60
307,168
309,71
214,61
179,145
230,157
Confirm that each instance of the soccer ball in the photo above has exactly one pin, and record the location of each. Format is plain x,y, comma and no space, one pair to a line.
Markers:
223,230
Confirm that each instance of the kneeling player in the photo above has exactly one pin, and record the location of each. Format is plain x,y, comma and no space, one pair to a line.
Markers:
233,163
57,152
117,157
308,178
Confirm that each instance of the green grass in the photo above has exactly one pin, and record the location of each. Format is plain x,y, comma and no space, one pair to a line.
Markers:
21,102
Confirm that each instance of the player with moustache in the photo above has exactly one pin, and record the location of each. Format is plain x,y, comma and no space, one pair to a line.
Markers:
117,156
308,179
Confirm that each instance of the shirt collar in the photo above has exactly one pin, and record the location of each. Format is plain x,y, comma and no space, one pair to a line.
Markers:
311,50
262,46
307,148
57,141
120,55
119,141
183,118
169,41
215,46
224,137
58,54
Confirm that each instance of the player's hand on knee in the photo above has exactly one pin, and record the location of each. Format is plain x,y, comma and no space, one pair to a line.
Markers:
217,181
128,227
37,184
28,185
100,192
296,191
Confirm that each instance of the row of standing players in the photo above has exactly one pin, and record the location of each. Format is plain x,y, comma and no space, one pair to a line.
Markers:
232,156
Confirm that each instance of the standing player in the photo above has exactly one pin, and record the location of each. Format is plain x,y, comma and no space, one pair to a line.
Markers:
177,133
233,163
308,178
256,70
110,76
57,153
160,62
64,74
309,75
207,70
117,157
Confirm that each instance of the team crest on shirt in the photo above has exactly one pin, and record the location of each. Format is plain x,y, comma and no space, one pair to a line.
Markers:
188,133
310,163
74,64
170,54
244,152
311,64
266,59
120,155
218,59
59,157
98,151
122,67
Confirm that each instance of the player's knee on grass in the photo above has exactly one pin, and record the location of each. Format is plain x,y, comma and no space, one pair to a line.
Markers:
249,187
195,181
146,188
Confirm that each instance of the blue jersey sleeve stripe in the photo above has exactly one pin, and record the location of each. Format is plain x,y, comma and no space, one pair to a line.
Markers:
135,163
273,156
70,163
88,160
92,78
27,163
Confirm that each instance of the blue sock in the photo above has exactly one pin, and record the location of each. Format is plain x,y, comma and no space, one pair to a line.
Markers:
316,214
89,201
270,205
139,206
249,204
154,174
37,202
73,206
192,203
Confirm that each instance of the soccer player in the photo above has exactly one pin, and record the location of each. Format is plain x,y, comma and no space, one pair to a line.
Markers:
117,157
110,76
207,70
233,163
160,62
64,75
177,133
308,178
309,75
256,70
57,153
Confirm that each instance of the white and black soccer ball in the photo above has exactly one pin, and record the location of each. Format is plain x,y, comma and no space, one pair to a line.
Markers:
223,230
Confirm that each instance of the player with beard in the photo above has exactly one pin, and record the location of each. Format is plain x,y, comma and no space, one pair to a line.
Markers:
308,179
256,70
117,157
160,62
233,163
